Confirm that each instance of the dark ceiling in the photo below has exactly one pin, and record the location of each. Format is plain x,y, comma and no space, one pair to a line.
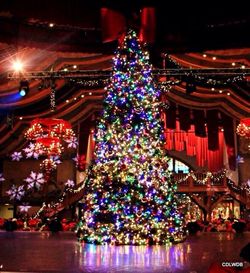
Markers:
181,26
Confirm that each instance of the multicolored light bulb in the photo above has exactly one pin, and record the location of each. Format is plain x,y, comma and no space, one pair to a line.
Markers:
129,197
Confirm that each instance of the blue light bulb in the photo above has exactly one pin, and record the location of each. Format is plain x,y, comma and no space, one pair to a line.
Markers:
22,93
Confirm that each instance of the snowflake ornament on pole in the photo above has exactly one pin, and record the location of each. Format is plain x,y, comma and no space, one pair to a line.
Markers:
72,142
80,162
16,156
1,178
32,152
16,193
24,208
56,159
70,183
35,181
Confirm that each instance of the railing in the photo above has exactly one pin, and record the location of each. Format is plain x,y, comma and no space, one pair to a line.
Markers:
200,180
97,74
210,183
70,196
192,182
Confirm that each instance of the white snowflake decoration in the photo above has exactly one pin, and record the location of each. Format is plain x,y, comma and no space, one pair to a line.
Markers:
1,177
75,158
247,186
247,183
35,180
70,183
240,159
16,156
72,142
56,159
16,193
31,151
24,208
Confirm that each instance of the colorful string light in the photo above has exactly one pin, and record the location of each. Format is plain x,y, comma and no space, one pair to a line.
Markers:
129,197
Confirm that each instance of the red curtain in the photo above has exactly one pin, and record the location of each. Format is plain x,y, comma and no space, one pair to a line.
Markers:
191,142
169,136
148,24
179,140
212,130
228,126
201,151
113,24
215,158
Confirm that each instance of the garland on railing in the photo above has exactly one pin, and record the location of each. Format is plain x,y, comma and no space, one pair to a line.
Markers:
215,177
54,205
40,211
238,189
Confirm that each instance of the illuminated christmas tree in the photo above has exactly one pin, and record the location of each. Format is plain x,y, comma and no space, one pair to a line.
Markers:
129,197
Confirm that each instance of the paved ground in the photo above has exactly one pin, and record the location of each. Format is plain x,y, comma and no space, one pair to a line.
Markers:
46,253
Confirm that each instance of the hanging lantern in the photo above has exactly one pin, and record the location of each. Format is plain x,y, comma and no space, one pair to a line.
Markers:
48,165
48,135
243,129
49,146
49,127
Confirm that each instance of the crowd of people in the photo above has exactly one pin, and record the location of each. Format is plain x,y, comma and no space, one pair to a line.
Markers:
219,225
36,224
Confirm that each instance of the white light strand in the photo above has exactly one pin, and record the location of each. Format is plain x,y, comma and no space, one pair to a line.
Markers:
209,81
52,100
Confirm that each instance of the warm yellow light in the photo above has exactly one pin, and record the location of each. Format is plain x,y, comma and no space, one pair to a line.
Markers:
204,55
51,25
243,66
214,58
228,93
233,64
17,65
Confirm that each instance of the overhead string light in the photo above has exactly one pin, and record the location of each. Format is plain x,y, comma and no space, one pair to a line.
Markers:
52,99
89,83
208,80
